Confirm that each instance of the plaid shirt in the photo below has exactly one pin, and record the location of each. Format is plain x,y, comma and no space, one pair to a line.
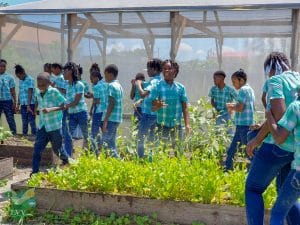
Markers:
72,91
60,82
53,78
100,92
222,96
52,98
173,95
148,86
284,87
116,92
86,86
246,97
24,86
291,122
6,83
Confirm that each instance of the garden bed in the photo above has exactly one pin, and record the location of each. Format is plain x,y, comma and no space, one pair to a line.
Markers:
6,168
179,212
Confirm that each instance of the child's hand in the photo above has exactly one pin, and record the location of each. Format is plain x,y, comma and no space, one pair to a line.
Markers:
29,110
188,130
46,110
157,104
104,126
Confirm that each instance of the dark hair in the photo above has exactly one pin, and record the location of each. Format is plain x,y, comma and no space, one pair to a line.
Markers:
175,65
74,68
80,70
280,57
156,64
240,75
94,67
96,74
140,76
56,65
3,61
19,69
113,69
220,73
47,66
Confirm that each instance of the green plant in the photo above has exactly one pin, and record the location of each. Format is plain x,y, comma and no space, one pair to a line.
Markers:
4,134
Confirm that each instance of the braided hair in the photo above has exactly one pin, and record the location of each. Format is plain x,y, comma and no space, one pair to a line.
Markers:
276,61
74,69
156,64
94,67
19,69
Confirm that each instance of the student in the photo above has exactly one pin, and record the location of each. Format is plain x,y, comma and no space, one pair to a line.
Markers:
58,81
113,114
290,190
149,118
99,107
265,91
7,96
94,67
272,159
76,105
171,103
50,102
26,100
47,68
221,94
244,115
135,95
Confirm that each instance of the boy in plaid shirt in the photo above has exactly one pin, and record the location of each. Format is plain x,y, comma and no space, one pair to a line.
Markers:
113,115
7,96
26,99
50,102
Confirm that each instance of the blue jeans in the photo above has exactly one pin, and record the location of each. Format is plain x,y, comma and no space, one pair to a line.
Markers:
287,197
79,119
169,134
138,114
109,138
28,118
146,129
41,141
239,139
67,139
269,161
7,108
96,125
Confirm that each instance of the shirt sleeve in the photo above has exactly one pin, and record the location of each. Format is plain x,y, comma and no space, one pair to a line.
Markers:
60,99
12,82
242,96
154,93
31,83
289,119
233,94
210,93
79,88
265,87
96,92
275,88
183,96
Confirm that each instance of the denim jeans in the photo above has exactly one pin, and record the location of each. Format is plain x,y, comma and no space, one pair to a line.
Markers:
109,138
28,118
96,125
138,114
269,161
67,139
287,196
79,119
169,134
7,108
41,141
77,133
239,139
223,119
145,129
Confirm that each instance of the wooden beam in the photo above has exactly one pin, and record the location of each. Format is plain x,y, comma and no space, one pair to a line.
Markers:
295,39
70,22
80,34
149,46
104,53
142,18
94,21
11,34
177,28
62,39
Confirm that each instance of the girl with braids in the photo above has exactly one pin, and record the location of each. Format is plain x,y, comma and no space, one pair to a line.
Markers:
272,158
26,100
76,105
243,117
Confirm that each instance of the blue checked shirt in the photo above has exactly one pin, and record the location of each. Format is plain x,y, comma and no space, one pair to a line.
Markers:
147,103
283,86
173,95
52,98
116,92
100,92
6,83
60,82
24,86
222,96
86,86
247,97
72,91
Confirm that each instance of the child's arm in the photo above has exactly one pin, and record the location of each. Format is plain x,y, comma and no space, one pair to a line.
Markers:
132,91
280,134
53,109
143,93
111,104
264,100
13,94
186,117
75,102
30,91
212,102
157,104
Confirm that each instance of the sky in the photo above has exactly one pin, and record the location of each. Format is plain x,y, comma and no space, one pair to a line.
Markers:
189,48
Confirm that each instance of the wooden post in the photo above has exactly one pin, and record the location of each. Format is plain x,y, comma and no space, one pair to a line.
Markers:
295,39
173,34
62,39
104,52
70,23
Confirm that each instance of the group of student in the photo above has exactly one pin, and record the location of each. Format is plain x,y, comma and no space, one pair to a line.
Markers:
274,146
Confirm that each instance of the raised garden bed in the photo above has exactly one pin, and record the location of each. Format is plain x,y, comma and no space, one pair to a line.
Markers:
168,211
6,168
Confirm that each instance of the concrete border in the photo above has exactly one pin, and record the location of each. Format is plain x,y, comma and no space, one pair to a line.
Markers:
167,211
